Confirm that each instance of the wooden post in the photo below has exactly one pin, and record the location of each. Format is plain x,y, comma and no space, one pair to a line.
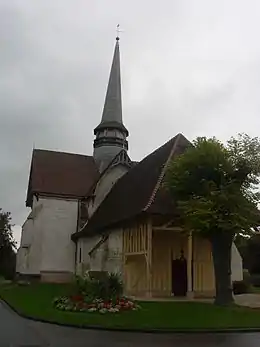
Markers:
149,257
190,265
124,250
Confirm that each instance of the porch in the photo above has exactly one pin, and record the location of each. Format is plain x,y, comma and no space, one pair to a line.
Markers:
162,261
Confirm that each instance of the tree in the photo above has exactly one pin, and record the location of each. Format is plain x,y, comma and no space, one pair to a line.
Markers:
7,245
215,189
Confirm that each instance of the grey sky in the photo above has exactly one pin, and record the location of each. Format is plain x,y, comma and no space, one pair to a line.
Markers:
190,66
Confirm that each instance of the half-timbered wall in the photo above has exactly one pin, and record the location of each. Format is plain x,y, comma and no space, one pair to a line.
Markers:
144,249
167,245
203,270
136,259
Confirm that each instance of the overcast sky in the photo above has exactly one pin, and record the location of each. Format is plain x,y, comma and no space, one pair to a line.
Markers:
190,66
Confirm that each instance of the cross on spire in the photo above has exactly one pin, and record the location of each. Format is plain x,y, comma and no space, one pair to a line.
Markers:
118,31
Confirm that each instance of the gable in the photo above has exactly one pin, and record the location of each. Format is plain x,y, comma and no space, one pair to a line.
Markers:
60,174
104,185
139,190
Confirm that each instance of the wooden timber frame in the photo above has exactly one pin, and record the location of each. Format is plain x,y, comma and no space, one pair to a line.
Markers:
137,243
147,253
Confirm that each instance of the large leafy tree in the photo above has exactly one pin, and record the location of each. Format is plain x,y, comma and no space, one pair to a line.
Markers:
7,245
215,189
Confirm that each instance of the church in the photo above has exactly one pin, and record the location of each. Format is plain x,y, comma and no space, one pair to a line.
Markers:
106,212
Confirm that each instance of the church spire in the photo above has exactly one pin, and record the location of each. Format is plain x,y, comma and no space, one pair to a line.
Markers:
111,133
113,103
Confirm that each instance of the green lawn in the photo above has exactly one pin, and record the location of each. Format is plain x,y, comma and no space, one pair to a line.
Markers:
36,301
255,290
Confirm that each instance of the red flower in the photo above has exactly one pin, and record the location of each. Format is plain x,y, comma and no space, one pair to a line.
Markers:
77,298
80,305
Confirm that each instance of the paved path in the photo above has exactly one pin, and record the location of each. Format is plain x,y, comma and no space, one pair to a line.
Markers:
16,331
250,300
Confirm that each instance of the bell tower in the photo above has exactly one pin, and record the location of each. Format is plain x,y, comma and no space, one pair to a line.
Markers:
111,134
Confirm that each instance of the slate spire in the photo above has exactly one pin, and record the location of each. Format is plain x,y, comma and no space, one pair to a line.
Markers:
111,133
112,110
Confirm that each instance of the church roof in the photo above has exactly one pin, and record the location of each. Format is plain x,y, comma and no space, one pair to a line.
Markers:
112,111
138,191
60,174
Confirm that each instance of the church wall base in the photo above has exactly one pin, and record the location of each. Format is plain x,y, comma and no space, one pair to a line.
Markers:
27,277
205,294
56,276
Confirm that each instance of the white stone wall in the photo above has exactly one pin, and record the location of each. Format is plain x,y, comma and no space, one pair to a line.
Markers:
29,253
58,221
105,184
35,248
107,257
27,231
22,260
48,237
115,248
84,246
236,264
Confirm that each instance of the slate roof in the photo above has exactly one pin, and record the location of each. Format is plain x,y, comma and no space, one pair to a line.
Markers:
60,174
138,191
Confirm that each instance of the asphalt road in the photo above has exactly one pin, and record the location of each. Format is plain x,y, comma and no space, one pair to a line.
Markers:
16,331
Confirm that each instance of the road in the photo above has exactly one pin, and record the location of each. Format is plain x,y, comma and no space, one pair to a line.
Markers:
16,331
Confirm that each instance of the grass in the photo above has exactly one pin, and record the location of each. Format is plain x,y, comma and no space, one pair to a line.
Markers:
255,290
36,301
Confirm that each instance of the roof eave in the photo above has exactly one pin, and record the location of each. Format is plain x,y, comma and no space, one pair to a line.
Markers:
88,232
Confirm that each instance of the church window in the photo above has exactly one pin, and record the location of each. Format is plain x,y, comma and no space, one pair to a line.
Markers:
80,255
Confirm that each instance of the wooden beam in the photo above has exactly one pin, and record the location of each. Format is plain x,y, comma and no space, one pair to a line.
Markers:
143,237
167,224
168,228
189,264
127,254
98,244
149,256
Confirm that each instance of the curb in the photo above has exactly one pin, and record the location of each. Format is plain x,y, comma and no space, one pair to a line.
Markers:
132,330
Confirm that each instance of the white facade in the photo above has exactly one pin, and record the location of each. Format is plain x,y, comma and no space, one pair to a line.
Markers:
236,264
46,245
29,253
106,257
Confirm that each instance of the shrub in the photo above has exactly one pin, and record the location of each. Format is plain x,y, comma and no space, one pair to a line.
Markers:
96,291
99,286
240,287
82,284
115,285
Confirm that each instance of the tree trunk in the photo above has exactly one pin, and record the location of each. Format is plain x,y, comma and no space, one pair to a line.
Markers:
221,243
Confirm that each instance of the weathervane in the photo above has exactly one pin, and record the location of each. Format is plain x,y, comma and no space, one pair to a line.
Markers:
118,31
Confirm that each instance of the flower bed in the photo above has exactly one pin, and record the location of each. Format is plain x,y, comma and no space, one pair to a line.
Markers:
79,303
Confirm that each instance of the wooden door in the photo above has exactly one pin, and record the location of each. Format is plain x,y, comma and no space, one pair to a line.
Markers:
179,277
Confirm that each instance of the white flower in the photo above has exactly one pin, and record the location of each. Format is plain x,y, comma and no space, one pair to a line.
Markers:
113,310
92,309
